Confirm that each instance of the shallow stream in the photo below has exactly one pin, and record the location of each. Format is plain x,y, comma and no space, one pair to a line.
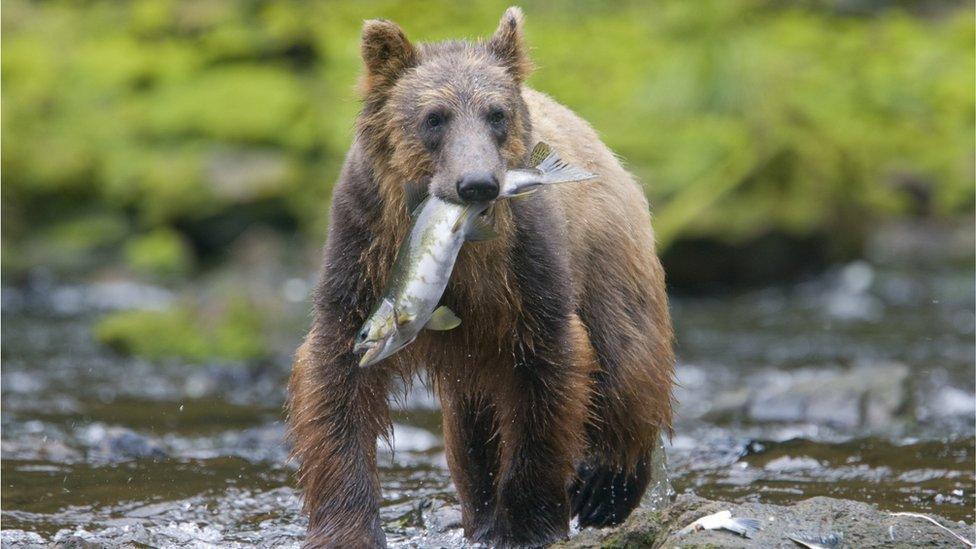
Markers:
858,384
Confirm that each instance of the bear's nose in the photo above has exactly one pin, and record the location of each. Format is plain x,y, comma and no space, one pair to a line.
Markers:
480,187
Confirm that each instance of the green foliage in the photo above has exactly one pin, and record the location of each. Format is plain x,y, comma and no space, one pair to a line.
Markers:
153,334
77,243
187,332
162,252
83,234
741,117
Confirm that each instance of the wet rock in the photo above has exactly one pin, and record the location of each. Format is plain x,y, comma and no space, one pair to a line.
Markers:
76,541
869,395
172,534
115,443
39,448
74,299
728,403
777,401
790,463
953,402
215,378
115,295
239,382
237,519
860,524
262,444
12,300
29,403
440,517
849,299
19,539
22,382
722,397
187,533
267,443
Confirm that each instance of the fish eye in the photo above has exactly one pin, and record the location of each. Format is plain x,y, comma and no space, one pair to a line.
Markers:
362,336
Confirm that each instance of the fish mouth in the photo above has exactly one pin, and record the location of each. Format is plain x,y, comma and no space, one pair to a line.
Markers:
371,353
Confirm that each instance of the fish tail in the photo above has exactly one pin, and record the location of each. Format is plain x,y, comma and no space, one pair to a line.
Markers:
746,526
556,170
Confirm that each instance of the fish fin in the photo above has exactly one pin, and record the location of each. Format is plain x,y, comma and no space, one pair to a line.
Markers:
826,541
481,230
415,194
525,193
556,170
539,153
801,542
748,526
460,219
443,319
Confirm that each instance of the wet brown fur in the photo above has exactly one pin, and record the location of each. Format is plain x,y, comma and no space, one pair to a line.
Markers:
564,354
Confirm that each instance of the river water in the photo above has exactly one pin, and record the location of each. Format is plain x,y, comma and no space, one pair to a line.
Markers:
857,384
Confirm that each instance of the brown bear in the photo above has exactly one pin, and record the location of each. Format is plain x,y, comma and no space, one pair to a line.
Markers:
557,384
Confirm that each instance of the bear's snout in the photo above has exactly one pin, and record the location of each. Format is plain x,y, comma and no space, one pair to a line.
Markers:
477,187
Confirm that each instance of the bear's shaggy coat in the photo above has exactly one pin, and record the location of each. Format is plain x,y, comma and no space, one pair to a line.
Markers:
558,382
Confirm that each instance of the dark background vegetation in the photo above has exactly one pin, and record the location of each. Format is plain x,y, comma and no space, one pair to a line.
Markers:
165,141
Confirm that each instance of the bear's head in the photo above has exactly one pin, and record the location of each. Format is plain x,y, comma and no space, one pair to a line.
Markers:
444,118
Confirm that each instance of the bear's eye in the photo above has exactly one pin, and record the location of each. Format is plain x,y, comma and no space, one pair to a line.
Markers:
434,120
497,123
496,117
432,127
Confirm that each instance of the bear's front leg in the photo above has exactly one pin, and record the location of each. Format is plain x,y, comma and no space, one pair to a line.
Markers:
336,410
472,454
541,412
542,399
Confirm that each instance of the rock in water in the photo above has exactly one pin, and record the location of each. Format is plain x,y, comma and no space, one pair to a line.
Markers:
868,395
860,524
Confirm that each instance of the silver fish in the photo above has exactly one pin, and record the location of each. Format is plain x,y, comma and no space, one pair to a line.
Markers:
825,541
427,255
745,527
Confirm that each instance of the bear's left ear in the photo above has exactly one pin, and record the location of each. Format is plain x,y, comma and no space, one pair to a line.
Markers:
508,43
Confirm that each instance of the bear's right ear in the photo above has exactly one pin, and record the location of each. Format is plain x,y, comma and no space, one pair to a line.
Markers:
386,54
508,43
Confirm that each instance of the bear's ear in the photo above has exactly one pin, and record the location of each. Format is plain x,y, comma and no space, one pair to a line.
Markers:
386,54
508,43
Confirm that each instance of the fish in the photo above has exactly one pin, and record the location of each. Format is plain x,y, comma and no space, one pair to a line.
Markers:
426,257
745,527
825,541
547,168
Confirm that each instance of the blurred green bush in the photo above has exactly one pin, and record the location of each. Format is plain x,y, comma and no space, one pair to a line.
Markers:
160,252
188,332
149,120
